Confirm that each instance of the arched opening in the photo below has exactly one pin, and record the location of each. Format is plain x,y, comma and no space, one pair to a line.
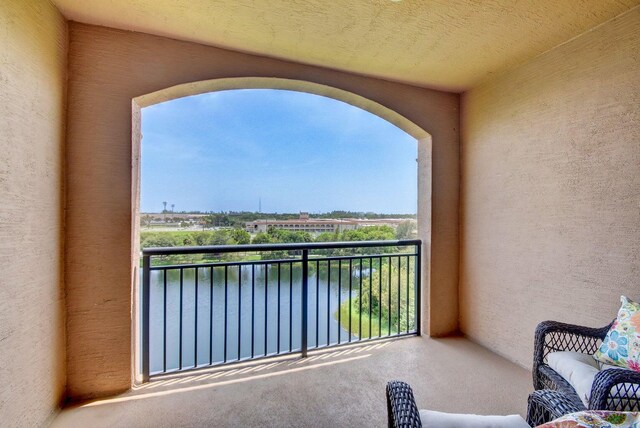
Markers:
423,170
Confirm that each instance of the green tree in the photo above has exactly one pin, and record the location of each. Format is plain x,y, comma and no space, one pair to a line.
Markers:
200,238
288,236
406,230
261,238
328,237
219,237
188,240
157,239
384,286
369,233
240,236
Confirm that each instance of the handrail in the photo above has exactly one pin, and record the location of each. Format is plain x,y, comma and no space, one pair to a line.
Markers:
158,251
304,259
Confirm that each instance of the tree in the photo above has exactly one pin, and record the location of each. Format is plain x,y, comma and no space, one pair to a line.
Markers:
240,236
406,230
369,233
201,238
157,239
262,238
220,237
188,240
288,236
328,237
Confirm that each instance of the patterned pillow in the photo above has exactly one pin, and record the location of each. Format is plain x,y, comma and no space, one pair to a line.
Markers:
621,346
596,419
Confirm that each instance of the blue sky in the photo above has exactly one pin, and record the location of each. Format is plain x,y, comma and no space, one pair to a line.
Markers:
223,151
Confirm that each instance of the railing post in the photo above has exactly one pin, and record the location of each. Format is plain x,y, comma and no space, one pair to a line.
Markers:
146,282
305,300
418,282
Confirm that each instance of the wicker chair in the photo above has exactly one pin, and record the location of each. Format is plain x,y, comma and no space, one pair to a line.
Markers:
543,406
613,389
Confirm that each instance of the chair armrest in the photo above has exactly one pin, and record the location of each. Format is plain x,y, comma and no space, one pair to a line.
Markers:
557,336
545,405
616,389
402,411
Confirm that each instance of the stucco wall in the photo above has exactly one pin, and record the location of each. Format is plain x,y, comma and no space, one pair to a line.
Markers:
107,69
33,52
550,165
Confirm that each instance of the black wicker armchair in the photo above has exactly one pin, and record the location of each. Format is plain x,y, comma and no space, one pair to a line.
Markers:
543,406
613,389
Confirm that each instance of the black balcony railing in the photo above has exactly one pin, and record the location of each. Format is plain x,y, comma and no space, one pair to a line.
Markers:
204,306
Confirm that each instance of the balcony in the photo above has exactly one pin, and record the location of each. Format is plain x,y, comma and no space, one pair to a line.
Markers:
338,387
320,330
526,117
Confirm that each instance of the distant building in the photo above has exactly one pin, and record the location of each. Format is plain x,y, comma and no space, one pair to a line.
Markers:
304,225
170,220
316,225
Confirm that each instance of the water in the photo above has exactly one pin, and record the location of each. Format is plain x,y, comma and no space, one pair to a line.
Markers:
210,335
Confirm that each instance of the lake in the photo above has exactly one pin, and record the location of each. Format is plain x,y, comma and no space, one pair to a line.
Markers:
239,298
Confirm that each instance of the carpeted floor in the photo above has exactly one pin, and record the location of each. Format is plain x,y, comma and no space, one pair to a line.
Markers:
341,387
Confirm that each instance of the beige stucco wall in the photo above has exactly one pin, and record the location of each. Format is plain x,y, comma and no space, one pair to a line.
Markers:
550,163
33,52
107,69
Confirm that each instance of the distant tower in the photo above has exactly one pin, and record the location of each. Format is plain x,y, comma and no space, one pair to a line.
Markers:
165,207
259,205
173,208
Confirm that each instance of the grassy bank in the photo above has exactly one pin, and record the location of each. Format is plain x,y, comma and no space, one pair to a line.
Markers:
377,329
390,287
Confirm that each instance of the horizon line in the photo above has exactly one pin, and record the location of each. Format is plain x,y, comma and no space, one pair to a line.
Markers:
271,212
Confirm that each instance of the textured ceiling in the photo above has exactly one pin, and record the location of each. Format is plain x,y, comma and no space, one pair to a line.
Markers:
448,44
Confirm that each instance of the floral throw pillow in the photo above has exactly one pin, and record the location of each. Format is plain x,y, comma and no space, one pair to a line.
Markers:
621,345
596,419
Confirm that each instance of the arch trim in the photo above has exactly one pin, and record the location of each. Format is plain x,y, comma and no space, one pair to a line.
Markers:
225,84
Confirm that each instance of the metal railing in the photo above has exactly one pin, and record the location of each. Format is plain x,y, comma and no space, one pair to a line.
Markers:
213,310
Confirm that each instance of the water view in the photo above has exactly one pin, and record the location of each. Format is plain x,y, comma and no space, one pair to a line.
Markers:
270,167
264,318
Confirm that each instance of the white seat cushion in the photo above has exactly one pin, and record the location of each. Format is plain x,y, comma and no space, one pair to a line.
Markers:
431,418
577,369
